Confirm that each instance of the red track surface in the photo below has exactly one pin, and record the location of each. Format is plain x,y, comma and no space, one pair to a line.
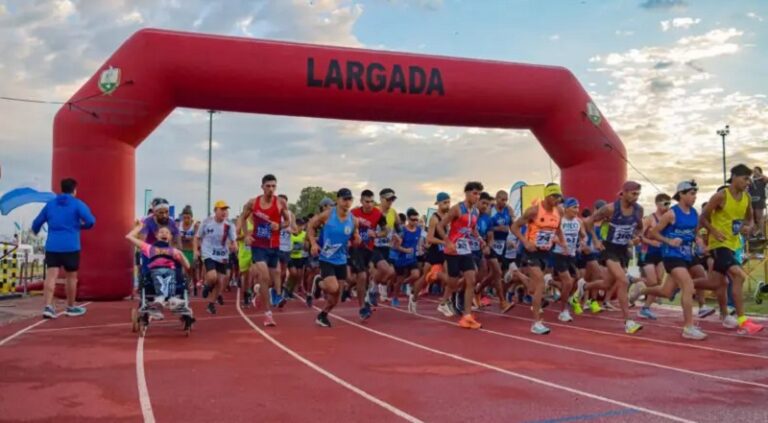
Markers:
395,367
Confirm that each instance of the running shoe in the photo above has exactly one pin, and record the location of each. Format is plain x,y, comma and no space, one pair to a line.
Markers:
646,313
539,328
594,307
269,321
322,320
395,302
220,299
748,327
631,327
365,313
565,316
468,322
694,332
635,290
211,308
345,294
610,307
446,309
412,308
705,312
49,312
75,311
730,322
576,305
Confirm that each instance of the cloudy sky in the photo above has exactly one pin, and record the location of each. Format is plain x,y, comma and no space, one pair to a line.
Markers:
666,73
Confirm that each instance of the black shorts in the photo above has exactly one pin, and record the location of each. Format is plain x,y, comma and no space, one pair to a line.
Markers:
360,259
617,253
537,258
725,258
380,254
211,264
297,263
405,270
459,264
284,256
421,259
435,255
653,258
583,259
478,257
563,263
672,263
69,261
329,269
270,256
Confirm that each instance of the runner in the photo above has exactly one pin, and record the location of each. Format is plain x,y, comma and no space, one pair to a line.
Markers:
385,271
543,221
724,219
338,227
215,239
625,218
407,265
433,269
298,257
502,217
480,250
66,216
565,260
677,232
242,226
650,262
270,214
187,230
313,263
285,247
368,217
758,194
462,219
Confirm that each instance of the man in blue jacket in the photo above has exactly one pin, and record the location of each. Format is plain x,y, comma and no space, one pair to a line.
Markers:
66,216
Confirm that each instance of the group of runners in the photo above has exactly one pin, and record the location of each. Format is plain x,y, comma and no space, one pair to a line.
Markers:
557,253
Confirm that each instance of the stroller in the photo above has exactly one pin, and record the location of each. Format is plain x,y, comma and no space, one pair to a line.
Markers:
161,288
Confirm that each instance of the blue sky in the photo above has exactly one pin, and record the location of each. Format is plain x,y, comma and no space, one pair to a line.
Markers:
665,73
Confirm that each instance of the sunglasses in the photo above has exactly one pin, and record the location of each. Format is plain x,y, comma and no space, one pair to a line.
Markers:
665,203
414,219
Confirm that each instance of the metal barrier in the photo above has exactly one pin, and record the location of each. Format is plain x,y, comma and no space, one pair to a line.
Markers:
9,268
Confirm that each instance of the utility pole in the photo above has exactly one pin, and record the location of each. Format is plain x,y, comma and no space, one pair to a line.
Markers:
724,133
210,155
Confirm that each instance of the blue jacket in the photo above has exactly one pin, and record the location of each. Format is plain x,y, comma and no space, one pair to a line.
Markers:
66,216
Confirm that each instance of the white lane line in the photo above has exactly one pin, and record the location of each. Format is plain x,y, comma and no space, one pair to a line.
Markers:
623,335
516,375
597,354
32,326
383,404
141,381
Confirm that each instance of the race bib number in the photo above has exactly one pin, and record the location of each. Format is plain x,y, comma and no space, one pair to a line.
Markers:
736,226
622,235
544,239
462,246
474,245
297,246
498,246
364,235
572,240
219,252
264,231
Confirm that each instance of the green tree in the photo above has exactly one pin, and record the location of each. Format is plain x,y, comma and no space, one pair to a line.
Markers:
309,199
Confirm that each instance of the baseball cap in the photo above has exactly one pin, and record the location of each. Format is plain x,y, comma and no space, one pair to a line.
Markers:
442,196
344,193
388,194
221,204
630,186
553,189
326,202
740,170
570,202
684,186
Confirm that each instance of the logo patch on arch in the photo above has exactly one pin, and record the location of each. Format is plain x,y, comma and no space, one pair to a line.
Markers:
593,113
109,80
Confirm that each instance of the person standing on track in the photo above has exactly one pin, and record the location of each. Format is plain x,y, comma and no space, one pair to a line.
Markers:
216,239
66,216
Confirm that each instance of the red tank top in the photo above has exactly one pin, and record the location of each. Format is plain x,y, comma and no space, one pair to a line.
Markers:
365,222
263,235
461,229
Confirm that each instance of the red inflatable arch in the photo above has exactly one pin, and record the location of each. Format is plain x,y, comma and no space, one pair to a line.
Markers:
96,134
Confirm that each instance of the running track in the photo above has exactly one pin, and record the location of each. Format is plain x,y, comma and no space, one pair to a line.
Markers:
396,367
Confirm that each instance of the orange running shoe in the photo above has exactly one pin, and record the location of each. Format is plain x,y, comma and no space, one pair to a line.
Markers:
469,322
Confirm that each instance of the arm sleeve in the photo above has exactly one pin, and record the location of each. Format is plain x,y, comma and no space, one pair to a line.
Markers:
41,218
86,216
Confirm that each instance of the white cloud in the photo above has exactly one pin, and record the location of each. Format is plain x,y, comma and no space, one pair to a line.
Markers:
755,16
554,37
624,33
683,23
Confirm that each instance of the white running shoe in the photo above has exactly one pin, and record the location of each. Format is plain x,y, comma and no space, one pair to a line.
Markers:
693,332
539,328
446,309
565,316
730,322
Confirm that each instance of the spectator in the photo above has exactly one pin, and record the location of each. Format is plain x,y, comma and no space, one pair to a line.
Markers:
757,192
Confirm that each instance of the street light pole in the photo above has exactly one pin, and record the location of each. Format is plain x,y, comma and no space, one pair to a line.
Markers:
724,133
210,155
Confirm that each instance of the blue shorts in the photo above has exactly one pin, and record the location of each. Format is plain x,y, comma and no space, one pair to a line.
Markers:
268,255
284,256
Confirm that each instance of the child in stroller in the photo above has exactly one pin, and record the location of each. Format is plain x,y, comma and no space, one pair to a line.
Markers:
161,282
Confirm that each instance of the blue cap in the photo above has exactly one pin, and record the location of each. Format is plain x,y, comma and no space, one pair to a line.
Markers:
442,196
570,202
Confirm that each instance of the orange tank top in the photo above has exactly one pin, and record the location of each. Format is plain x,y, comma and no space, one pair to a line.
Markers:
542,229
